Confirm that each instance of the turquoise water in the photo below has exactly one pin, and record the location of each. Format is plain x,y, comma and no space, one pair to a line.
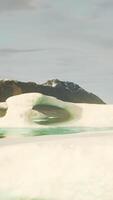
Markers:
4,132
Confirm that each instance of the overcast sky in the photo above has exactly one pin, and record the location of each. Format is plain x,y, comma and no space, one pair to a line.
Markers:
66,39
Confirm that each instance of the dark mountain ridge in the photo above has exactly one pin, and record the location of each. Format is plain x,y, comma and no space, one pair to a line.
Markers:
63,90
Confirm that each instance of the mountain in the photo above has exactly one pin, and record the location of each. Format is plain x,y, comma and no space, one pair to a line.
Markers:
63,90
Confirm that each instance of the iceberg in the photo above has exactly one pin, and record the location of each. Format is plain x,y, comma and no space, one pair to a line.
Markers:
44,113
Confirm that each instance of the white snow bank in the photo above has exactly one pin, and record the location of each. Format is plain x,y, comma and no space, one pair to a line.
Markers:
57,168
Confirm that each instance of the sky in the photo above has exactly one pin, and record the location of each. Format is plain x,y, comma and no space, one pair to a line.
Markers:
71,40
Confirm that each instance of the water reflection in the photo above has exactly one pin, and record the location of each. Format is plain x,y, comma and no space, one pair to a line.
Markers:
4,132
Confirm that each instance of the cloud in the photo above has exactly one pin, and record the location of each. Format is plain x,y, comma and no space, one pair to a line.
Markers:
103,8
106,4
9,51
17,4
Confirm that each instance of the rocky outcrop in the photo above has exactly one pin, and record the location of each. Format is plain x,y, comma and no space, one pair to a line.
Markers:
3,109
66,91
